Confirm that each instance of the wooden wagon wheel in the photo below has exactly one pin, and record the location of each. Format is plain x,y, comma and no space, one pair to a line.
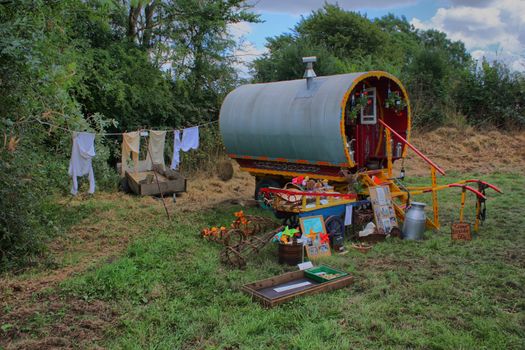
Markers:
257,225
236,255
233,242
232,256
233,237
334,226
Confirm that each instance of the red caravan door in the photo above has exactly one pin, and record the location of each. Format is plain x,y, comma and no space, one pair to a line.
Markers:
370,137
367,128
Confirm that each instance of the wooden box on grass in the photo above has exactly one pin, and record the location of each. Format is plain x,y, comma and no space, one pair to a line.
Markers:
263,291
165,185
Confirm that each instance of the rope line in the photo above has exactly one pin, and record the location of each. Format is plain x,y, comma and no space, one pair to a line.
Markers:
118,133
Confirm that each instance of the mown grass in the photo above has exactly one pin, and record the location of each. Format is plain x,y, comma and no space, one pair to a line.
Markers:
173,293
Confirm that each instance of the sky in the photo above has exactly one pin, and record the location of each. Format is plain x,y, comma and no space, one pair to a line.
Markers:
494,29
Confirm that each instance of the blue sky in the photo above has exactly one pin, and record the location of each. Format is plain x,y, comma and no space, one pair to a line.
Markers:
489,28
276,23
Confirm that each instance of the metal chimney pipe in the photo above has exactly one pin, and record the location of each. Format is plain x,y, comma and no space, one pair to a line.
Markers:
309,73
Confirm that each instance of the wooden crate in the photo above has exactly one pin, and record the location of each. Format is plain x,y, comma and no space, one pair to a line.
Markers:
262,291
166,185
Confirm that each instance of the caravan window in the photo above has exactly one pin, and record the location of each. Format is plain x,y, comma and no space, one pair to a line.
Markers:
369,112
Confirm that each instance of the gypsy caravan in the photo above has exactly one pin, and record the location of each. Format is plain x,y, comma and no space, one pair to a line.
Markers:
326,128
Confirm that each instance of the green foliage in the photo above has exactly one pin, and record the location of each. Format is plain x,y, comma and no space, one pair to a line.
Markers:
285,65
123,85
345,34
203,60
428,87
440,75
29,214
99,65
19,212
204,159
493,94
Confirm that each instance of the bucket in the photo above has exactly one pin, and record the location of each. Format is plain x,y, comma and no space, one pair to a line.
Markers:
291,254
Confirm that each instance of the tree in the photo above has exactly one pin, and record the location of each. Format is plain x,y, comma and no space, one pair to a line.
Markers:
345,34
86,65
431,65
492,94
203,56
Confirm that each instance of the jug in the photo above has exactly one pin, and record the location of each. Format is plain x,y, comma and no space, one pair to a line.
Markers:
414,224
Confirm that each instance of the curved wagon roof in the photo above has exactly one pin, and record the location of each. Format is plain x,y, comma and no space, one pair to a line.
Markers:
287,121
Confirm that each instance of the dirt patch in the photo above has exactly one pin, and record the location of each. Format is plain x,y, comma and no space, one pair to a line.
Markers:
54,323
32,313
467,150
206,192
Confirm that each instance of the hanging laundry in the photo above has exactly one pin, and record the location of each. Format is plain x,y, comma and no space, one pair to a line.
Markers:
175,159
190,139
130,147
155,155
80,164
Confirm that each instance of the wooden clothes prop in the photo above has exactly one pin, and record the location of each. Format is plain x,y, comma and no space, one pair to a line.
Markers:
384,213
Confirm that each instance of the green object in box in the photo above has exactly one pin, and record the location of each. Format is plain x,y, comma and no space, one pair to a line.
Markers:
315,273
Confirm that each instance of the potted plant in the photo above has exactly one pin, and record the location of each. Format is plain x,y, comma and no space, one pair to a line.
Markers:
359,101
395,101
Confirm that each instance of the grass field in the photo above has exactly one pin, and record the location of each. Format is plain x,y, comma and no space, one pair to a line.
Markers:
169,291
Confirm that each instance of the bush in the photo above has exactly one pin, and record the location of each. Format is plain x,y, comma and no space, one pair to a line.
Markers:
20,234
206,157
33,168
27,175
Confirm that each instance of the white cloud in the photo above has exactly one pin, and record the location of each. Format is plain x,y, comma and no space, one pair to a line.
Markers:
519,64
246,51
240,29
297,7
493,29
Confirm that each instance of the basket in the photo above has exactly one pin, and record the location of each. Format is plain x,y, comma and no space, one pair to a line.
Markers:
363,248
460,231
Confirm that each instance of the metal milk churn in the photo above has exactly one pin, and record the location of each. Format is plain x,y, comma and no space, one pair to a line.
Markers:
414,224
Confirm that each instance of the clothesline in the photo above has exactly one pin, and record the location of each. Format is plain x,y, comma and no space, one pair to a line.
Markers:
83,151
117,133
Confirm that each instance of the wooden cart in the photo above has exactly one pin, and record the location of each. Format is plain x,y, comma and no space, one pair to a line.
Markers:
290,204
